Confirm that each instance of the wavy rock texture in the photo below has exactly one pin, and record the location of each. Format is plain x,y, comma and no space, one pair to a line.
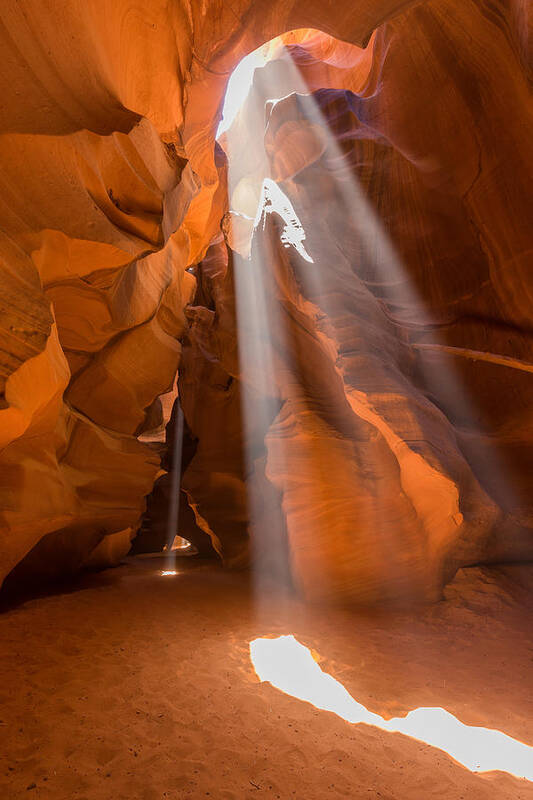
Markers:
112,184
392,444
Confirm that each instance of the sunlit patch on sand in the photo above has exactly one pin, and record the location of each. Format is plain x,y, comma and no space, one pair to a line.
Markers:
290,667
166,572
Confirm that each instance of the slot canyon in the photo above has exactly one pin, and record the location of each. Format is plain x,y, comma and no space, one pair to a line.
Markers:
266,400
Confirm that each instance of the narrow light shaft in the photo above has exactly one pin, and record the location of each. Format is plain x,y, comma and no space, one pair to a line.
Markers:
175,482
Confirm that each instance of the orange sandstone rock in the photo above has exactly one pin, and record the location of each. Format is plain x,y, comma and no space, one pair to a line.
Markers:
112,185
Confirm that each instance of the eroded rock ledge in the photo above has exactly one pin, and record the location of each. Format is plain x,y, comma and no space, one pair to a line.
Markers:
113,185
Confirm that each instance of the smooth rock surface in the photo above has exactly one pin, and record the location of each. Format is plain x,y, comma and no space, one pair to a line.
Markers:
113,184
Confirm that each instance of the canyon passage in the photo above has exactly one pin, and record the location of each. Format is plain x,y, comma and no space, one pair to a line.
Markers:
266,371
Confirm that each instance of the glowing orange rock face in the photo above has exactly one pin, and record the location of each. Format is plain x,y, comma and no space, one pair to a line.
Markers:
374,438
112,185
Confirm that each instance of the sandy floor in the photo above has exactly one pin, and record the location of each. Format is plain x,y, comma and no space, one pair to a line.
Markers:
136,685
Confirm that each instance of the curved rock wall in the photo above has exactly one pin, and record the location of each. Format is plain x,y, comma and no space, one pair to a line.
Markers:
112,185
391,441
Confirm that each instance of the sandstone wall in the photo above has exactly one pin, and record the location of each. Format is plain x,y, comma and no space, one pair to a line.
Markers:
112,185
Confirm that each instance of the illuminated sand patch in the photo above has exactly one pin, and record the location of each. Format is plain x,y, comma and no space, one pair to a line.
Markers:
290,667
167,572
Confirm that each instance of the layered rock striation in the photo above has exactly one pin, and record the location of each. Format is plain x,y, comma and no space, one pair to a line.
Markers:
396,441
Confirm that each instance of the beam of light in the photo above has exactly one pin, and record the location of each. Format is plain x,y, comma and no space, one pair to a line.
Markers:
406,307
290,667
266,360
258,318
264,348
175,484
266,345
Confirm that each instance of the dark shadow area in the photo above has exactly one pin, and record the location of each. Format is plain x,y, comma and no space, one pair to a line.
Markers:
16,592
154,530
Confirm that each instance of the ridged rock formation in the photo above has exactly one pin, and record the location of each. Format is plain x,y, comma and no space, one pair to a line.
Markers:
389,440
405,402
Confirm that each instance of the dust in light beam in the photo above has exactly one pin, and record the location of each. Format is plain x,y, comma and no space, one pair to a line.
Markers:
290,667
